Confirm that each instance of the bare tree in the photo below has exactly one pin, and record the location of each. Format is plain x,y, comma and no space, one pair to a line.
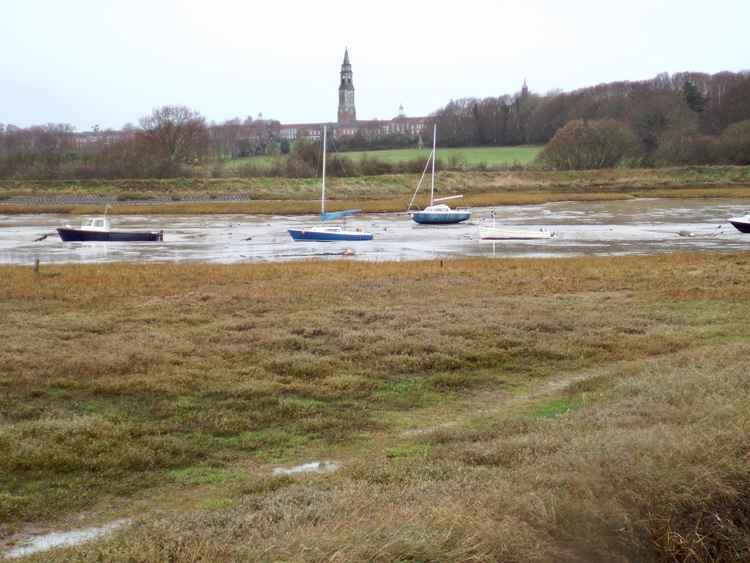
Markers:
175,134
225,138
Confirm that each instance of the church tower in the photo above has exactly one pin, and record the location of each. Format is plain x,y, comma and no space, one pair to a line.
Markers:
347,111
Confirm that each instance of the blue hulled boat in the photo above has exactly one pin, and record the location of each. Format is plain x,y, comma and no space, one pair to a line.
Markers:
439,214
326,233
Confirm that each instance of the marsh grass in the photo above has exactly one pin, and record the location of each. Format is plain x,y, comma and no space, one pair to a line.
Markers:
121,379
388,193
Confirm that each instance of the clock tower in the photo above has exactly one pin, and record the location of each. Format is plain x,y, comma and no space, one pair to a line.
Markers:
347,111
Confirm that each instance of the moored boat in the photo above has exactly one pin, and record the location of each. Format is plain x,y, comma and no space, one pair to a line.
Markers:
99,229
491,231
439,214
329,233
742,224
511,233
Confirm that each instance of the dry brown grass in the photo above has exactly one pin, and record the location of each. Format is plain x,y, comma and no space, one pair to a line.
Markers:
308,207
122,379
653,466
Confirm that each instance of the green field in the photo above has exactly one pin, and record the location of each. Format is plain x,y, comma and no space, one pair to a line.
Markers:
472,156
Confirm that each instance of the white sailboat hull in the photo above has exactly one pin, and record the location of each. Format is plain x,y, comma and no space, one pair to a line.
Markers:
513,233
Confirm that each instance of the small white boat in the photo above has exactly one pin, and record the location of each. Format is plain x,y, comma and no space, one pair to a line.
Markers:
493,231
742,224
510,233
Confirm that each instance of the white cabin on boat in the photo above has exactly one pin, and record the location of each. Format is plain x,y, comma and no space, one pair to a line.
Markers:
96,224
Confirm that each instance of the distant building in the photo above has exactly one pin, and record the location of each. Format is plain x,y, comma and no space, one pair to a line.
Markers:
98,138
347,124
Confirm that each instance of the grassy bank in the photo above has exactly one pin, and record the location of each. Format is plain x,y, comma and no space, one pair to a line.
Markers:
470,156
382,193
483,409
297,207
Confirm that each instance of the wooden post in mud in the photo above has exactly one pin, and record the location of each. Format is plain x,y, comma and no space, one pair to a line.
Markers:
36,265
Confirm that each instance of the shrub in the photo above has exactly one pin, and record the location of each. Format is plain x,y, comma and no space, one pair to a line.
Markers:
582,145
682,149
735,143
374,166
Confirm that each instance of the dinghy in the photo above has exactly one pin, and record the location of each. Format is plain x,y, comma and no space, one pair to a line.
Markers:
492,231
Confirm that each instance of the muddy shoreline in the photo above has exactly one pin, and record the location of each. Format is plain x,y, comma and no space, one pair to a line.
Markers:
582,228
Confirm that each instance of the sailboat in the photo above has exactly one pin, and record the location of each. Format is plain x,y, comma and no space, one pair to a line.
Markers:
328,233
439,214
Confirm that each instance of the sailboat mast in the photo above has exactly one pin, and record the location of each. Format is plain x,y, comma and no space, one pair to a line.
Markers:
323,190
432,187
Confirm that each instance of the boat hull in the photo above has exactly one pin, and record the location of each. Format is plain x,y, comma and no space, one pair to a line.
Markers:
323,236
428,218
79,235
741,226
497,233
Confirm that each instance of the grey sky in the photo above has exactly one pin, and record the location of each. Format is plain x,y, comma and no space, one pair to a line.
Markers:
106,62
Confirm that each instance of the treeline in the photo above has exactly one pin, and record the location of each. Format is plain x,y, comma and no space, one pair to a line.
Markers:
172,141
362,141
169,139
687,118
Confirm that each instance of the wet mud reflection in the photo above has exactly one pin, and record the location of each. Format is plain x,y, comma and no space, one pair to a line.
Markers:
582,228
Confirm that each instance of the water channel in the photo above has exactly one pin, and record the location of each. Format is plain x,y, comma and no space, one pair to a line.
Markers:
638,226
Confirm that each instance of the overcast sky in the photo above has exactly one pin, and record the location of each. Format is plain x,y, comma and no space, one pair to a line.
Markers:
109,62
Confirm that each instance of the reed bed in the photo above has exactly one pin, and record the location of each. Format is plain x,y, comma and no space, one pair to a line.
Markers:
392,205
622,181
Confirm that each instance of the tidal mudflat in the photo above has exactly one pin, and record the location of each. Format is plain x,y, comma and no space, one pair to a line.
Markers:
583,228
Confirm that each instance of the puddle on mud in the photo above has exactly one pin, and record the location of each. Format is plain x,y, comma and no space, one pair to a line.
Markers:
639,226
51,540
312,467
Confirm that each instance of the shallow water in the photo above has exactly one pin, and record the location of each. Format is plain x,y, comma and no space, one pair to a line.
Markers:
312,467
640,226
45,542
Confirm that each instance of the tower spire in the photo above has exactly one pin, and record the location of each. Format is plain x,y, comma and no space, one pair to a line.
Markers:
347,110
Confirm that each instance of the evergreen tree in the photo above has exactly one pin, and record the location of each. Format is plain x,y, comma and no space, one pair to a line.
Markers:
695,100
